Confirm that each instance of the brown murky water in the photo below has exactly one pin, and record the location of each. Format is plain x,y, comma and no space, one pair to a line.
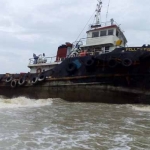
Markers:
54,124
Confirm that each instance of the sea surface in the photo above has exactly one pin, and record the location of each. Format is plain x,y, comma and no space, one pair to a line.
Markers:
54,124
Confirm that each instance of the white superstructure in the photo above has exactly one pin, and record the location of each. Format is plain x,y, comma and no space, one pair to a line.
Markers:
42,64
104,37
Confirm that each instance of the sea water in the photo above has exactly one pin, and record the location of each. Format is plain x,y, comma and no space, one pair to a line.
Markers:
54,124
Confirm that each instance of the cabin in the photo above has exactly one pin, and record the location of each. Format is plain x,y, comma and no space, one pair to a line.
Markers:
104,38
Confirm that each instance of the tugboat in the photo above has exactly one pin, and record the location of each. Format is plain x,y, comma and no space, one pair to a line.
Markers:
102,70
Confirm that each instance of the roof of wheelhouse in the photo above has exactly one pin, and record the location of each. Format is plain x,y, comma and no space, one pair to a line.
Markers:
108,27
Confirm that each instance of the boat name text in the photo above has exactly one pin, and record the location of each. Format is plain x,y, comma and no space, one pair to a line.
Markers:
137,48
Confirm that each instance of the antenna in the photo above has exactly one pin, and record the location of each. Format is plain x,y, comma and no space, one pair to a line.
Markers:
98,12
107,11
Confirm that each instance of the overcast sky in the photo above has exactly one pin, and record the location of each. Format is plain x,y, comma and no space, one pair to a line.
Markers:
37,26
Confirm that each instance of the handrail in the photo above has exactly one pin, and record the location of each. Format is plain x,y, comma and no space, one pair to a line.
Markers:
43,60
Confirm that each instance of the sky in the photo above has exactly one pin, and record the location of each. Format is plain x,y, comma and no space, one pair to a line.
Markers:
40,26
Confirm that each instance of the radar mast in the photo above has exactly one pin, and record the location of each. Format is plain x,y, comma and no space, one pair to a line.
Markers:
97,15
98,12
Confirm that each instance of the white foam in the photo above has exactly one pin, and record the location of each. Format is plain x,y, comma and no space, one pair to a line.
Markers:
141,108
23,102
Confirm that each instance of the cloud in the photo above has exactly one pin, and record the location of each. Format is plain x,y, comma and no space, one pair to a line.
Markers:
28,27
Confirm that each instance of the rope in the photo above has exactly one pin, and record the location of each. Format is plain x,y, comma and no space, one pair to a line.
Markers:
85,26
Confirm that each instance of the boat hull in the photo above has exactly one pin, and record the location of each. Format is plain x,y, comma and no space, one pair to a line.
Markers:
116,77
79,92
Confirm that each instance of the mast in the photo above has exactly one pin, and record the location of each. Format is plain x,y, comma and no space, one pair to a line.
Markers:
97,15
98,12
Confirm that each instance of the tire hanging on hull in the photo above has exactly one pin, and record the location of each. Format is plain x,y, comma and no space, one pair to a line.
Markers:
145,57
13,83
9,79
127,62
71,67
34,80
22,81
41,77
112,63
89,62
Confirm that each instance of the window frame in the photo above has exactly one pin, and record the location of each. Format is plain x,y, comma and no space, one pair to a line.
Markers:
103,34
93,36
111,31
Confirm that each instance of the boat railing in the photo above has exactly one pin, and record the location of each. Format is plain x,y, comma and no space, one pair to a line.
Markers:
103,24
43,60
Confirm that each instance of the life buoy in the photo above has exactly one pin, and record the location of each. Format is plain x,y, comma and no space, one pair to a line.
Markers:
41,77
71,67
21,81
127,62
8,79
13,83
112,63
34,80
39,70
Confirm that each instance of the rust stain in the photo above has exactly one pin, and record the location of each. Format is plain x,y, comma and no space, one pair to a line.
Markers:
85,77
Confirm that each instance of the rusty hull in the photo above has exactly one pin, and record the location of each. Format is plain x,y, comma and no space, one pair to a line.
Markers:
77,92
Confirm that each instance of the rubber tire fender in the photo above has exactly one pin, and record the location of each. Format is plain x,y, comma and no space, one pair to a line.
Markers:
145,57
41,77
71,67
9,79
13,83
127,62
112,63
89,62
34,80
21,81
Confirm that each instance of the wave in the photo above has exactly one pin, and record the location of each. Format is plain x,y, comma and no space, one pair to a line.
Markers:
141,108
23,102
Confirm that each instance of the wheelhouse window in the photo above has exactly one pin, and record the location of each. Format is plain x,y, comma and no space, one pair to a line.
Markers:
111,32
95,34
103,33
